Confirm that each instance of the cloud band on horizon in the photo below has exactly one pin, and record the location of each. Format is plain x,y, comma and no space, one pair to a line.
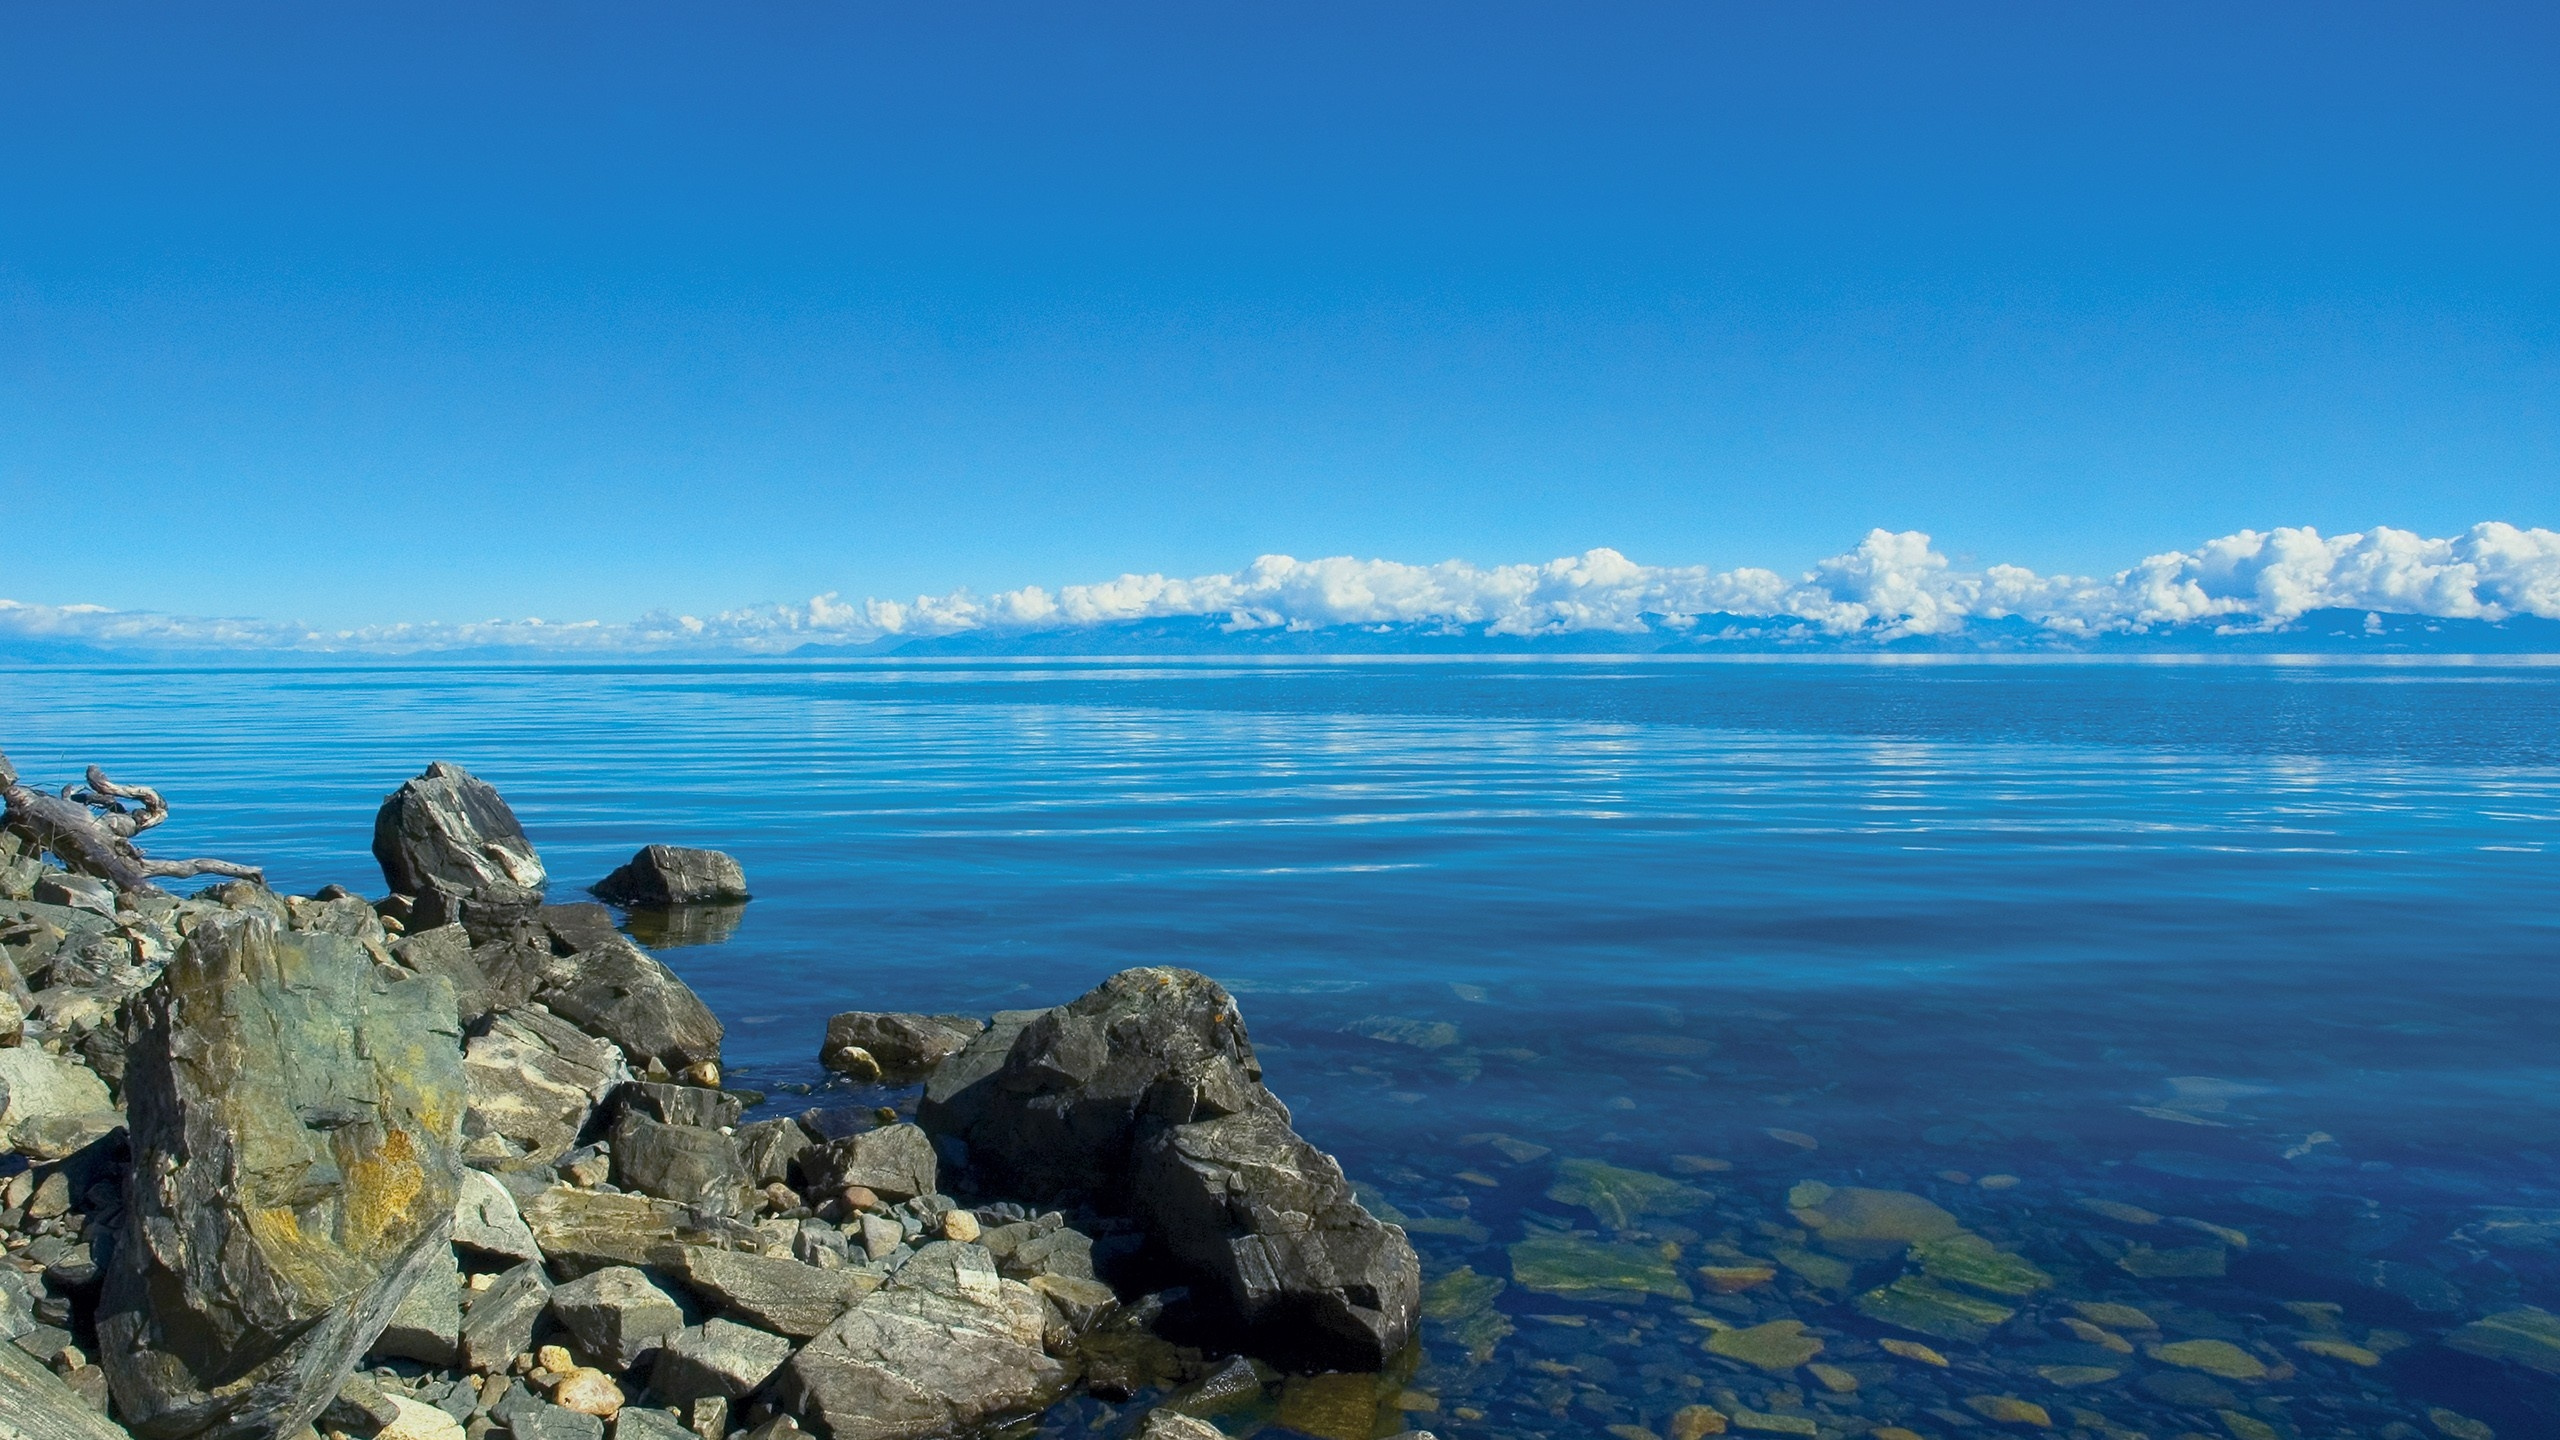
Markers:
1893,585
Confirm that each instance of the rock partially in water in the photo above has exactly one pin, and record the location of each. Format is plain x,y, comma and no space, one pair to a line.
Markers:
674,875
447,840
948,1346
1309,1273
296,1122
901,1047
1144,1097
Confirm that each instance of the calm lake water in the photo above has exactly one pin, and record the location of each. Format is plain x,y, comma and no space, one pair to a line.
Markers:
2268,954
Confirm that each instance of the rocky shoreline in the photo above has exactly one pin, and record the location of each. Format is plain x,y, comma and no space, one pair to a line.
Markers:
458,1163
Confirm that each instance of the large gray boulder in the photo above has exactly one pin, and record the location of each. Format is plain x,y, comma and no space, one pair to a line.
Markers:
447,840
296,1115
947,1347
1143,1097
673,875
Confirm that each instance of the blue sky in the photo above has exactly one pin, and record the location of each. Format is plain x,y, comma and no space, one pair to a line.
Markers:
373,314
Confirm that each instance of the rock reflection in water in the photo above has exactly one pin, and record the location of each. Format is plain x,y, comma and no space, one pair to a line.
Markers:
669,927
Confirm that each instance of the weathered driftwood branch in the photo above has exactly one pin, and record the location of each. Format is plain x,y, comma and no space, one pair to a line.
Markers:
91,832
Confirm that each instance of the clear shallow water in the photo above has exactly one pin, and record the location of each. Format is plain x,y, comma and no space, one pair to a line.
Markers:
2272,947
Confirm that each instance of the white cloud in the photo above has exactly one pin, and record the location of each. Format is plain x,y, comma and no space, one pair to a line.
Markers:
1893,584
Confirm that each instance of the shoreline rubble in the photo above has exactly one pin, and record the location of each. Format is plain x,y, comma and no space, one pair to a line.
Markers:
457,1164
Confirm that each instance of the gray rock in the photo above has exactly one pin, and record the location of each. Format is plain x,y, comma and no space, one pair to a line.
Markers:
772,1293
486,1221
903,1047
1080,1303
446,840
895,1162
638,1422
881,1236
617,1315
672,875
679,1104
446,950
1057,1118
684,1163
534,1080
622,993
771,1150
717,1360
586,1230
36,1085
1144,1097
1271,1220
36,1405
527,1418
296,1114
580,925
1174,1425
427,1327
499,1322
947,1346
77,892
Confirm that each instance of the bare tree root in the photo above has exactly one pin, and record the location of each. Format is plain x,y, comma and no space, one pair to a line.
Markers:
91,832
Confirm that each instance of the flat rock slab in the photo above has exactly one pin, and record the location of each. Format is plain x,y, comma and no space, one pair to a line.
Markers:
719,1359
783,1296
946,1347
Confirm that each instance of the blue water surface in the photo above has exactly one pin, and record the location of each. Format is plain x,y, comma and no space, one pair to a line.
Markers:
2271,946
